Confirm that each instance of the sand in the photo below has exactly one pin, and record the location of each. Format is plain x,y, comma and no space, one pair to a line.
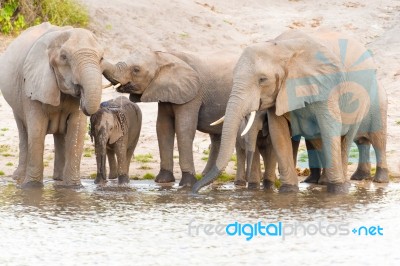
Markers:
204,26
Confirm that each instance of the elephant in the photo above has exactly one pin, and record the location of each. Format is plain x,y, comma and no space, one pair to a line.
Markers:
51,77
323,83
191,90
248,150
115,129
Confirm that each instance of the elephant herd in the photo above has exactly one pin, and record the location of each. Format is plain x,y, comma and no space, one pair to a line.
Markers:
320,86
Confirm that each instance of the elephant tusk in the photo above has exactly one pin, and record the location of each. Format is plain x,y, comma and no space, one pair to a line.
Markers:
111,86
219,121
250,123
107,86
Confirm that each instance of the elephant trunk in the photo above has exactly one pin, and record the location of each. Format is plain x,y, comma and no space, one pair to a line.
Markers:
239,105
89,78
113,73
100,144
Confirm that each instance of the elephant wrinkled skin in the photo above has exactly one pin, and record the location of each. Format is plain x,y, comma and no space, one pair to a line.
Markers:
325,85
192,92
47,75
115,129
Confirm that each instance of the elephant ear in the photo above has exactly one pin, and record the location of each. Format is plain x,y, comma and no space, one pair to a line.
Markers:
39,78
312,70
174,82
119,128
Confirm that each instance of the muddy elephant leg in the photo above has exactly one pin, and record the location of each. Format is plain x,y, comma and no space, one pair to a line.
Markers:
314,163
212,158
20,172
378,141
269,158
37,123
240,178
281,141
113,164
253,180
120,151
59,157
74,138
166,138
364,164
185,125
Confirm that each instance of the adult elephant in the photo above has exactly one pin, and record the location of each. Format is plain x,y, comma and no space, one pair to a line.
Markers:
192,91
51,77
325,85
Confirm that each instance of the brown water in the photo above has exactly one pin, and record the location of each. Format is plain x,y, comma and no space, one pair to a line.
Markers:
148,224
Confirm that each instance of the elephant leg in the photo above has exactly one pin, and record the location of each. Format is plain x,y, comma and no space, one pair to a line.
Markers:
120,151
129,154
253,181
59,157
364,164
166,138
333,152
214,150
240,179
74,138
269,158
113,164
314,163
281,141
20,172
37,123
185,126
378,141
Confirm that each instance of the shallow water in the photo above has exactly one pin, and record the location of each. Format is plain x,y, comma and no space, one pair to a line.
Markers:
148,224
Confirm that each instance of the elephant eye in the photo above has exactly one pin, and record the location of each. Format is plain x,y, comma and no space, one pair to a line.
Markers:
262,80
136,69
63,57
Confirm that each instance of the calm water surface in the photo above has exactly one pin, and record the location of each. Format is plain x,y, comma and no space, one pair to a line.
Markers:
148,224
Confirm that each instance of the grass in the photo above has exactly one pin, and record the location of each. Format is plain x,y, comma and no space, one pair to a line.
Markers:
4,129
92,175
206,152
398,122
149,176
303,157
184,35
7,154
4,148
145,167
2,173
225,177
88,151
144,158
204,158
9,164
373,171
198,176
45,163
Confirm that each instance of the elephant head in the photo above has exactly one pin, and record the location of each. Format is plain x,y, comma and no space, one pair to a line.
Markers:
65,60
287,73
154,77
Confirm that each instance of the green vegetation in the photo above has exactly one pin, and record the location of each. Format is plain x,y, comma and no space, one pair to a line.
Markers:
7,154
278,183
204,158
353,152
398,122
4,129
144,158
225,177
373,171
303,157
145,167
149,176
9,164
184,35
2,173
92,175
198,176
45,163
4,148
88,151
17,15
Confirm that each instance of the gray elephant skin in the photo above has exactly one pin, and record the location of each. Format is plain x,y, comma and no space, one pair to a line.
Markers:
51,77
325,85
192,92
115,129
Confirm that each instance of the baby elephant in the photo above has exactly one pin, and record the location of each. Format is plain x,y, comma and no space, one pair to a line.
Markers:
115,128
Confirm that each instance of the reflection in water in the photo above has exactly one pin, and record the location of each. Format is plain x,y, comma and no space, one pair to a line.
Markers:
148,223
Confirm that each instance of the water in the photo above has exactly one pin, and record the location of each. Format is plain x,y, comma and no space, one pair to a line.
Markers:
148,224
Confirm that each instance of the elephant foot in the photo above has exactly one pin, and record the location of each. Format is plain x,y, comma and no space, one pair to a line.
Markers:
253,186
314,176
69,183
285,188
360,175
18,175
100,180
123,179
338,188
268,185
188,180
381,175
240,183
112,177
32,185
323,180
58,178
164,176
